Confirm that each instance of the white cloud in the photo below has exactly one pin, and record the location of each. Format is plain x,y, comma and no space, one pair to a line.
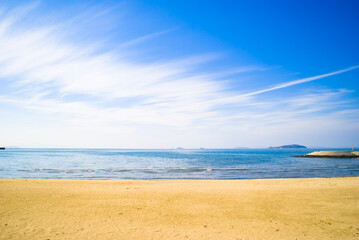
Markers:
48,71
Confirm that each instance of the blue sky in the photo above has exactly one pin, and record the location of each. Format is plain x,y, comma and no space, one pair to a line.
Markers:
163,74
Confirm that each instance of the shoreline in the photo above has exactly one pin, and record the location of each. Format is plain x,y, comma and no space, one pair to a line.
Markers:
169,179
302,208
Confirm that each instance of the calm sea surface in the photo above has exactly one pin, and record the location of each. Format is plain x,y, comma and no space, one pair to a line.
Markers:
169,164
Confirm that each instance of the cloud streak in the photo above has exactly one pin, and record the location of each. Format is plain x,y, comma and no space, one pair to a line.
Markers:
145,38
300,81
241,97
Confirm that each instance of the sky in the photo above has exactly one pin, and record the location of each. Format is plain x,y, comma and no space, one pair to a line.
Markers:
167,74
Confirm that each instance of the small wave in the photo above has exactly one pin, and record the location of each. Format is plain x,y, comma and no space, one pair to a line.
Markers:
46,170
38,170
348,166
106,170
189,170
151,171
230,169
25,170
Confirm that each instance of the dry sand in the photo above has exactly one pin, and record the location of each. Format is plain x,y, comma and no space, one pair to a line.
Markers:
242,209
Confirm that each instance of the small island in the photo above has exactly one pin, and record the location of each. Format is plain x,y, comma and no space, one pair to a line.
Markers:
289,146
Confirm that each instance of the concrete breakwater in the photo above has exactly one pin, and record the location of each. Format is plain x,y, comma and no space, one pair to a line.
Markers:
332,154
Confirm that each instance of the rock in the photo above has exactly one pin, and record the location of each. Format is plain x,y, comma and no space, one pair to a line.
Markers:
332,154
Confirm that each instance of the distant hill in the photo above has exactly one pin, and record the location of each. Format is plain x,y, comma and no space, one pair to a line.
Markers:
289,146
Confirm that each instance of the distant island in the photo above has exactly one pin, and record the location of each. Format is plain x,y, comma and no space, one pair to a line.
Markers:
289,146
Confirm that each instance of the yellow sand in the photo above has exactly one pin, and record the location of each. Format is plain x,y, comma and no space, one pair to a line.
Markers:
242,209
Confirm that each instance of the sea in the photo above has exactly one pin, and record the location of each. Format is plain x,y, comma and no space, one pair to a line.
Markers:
157,164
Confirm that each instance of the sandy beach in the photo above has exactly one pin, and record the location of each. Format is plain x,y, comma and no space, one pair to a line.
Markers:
204,209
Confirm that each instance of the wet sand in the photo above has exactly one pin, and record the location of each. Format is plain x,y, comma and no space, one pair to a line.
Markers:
203,209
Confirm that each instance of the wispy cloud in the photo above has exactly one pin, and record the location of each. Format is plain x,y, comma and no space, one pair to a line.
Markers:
145,38
46,70
168,92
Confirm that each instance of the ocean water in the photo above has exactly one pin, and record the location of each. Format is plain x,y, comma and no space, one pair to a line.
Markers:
170,164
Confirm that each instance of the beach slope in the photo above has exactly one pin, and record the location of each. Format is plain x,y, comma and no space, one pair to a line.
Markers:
204,209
